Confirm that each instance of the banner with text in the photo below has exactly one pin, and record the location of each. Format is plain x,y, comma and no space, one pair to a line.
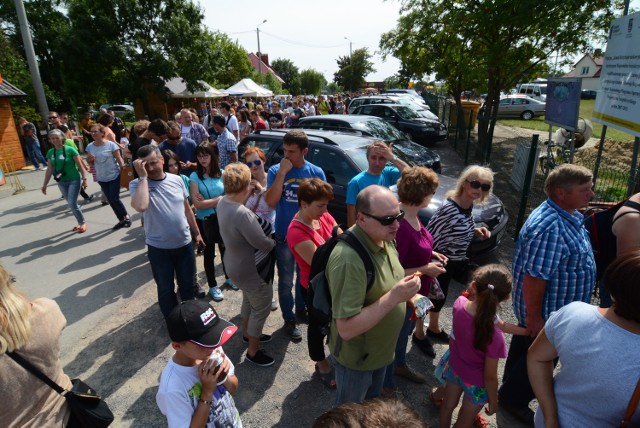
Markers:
618,101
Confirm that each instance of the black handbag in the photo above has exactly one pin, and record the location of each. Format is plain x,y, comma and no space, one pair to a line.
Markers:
88,410
212,229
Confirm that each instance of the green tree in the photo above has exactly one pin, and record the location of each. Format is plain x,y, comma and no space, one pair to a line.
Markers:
288,72
311,82
491,43
353,69
334,88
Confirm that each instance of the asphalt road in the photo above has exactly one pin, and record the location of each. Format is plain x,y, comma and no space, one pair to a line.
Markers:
115,338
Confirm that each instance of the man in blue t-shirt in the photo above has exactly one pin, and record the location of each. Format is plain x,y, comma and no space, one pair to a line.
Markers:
283,181
378,155
184,147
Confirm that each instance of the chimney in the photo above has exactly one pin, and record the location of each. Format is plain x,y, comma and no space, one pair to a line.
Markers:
265,58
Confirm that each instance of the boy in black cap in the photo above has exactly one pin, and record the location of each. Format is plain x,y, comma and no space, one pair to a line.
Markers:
197,383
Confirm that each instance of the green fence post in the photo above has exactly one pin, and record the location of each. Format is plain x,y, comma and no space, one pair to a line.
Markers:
531,163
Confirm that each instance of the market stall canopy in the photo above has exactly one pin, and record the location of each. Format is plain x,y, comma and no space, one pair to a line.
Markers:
178,89
249,88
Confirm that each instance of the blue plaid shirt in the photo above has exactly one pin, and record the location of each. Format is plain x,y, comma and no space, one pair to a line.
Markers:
553,245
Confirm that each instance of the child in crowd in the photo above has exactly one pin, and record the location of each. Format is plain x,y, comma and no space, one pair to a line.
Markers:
197,383
470,367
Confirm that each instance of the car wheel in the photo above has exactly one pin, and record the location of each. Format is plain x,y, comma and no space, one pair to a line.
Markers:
526,115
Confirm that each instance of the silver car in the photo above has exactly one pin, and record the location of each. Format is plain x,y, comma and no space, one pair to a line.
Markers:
522,106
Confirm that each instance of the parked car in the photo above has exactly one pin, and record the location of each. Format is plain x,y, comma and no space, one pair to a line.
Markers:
521,106
387,99
342,155
120,110
419,128
370,126
409,92
587,94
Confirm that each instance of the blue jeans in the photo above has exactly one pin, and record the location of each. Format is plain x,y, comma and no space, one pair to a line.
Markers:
286,266
70,190
356,386
167,264
401,350
35,155
111,190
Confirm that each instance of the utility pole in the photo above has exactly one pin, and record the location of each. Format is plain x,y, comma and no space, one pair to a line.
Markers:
31,60
259,53
350,64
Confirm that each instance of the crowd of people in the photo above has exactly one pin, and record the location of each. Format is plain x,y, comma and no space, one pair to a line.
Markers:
195,191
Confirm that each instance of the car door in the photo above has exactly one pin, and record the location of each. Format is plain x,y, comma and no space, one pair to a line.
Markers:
339,170
504,108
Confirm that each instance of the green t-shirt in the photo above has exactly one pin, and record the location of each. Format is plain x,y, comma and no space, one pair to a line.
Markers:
70,143
62,160
348,284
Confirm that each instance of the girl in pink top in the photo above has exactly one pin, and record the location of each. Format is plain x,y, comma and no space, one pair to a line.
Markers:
476,345
311,226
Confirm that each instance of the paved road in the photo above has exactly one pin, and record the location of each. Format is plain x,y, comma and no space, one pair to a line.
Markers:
115,337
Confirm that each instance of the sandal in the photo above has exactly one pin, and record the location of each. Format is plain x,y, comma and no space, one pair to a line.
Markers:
435,402
82,228
75,228
480,422
328,379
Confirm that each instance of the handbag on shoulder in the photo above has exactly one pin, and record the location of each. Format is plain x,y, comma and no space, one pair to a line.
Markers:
88,410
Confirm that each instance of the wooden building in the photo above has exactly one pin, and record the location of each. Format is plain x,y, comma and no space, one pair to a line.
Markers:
10,145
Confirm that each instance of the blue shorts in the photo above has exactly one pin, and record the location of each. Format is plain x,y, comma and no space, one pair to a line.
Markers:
476,394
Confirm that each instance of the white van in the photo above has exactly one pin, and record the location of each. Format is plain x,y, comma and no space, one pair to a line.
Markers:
536,90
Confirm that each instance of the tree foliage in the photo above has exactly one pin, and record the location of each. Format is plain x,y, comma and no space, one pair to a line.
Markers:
93,52
353,69
288,72
311,82
492,43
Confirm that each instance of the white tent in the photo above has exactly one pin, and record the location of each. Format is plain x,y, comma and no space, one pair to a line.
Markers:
249,88
178,89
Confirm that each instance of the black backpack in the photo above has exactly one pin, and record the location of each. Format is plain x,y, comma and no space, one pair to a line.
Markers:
603,241
318,293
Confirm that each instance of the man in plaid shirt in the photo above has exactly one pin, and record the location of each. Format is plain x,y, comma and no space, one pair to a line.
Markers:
553,266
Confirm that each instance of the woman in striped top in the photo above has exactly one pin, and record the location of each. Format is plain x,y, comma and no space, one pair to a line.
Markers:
453,228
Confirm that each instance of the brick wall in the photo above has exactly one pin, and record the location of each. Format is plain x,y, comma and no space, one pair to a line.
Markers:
10,148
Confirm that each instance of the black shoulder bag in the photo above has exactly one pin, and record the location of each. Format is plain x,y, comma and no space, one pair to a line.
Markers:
88,410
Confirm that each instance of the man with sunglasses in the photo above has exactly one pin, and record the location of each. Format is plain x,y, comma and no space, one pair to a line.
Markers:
553,265
378,155
368,322
184,147
56,123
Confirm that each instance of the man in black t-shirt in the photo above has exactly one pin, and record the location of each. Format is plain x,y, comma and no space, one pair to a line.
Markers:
275,118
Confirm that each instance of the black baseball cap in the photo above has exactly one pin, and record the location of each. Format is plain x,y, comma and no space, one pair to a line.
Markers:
197,321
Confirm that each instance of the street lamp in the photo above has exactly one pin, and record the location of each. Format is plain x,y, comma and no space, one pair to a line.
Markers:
259,53
350,64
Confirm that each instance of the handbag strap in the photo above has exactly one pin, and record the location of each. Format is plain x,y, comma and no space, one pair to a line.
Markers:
633,404
37,373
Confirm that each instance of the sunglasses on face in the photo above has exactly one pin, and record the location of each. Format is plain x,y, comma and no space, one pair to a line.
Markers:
53,117
475,184
256,162
386,220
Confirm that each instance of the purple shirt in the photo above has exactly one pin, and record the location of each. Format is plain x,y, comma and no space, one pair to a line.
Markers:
465,360
414,250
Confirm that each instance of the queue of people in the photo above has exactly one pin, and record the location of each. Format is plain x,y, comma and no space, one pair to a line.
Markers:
279,217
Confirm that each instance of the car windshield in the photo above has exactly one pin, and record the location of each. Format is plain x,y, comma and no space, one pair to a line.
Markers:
407,113
379,129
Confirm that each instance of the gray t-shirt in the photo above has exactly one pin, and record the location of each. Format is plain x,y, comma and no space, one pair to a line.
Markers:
599,367
32,138
107,168
165,223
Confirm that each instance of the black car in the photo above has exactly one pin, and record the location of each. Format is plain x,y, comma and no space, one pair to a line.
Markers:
388,99
418,127
342,155
369,126
587,94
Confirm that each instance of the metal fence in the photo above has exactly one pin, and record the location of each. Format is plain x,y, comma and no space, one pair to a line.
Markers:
527,177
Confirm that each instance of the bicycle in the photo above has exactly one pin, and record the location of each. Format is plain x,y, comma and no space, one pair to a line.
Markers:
560,150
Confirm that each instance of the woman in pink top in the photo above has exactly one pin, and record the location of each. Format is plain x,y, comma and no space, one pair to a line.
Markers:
475,346
310,227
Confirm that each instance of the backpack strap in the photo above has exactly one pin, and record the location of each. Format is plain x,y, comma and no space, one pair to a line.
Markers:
37,373
633,405
352,240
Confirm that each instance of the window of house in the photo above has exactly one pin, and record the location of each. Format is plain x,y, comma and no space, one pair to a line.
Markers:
585,70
